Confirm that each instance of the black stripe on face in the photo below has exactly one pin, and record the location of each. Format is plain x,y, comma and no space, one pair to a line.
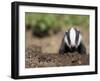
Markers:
77,36
68,37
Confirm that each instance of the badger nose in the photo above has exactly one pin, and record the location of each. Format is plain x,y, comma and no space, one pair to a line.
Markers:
72,46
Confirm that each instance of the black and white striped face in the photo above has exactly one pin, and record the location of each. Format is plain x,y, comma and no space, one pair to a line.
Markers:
73,38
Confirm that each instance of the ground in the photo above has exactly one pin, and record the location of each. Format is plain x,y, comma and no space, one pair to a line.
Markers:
43,52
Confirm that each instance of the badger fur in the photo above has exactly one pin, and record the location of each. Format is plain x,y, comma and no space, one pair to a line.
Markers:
72,41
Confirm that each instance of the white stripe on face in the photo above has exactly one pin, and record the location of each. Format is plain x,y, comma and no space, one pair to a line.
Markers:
72,35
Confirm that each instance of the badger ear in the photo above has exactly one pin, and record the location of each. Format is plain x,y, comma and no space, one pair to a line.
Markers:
79,31
66,32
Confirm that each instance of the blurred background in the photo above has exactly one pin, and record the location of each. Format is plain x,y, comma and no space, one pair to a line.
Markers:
46,30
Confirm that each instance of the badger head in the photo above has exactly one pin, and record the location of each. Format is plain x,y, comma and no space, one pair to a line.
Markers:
73,38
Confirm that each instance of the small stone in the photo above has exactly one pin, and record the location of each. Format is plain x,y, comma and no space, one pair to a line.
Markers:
79,62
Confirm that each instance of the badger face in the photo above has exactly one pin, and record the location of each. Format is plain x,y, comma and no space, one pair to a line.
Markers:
73,38
72,42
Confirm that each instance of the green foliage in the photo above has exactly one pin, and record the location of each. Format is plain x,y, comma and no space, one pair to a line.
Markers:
77,20
42,23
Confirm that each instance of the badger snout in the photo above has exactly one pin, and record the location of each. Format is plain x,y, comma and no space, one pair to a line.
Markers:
73,45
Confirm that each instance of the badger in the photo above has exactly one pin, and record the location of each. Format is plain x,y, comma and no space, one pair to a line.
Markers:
72,42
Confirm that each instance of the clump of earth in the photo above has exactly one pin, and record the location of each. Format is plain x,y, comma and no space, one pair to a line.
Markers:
35,58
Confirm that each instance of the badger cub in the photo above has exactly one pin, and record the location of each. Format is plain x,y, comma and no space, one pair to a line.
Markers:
72,41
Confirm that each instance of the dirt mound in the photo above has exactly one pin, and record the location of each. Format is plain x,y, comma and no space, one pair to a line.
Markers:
35,58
